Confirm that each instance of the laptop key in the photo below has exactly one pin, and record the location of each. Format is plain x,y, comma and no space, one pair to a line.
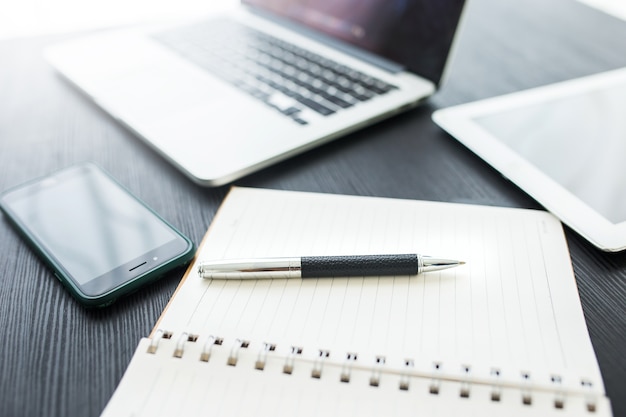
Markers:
314,105
266,68
336,100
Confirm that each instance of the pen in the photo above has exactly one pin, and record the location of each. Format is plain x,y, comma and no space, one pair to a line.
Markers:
323,266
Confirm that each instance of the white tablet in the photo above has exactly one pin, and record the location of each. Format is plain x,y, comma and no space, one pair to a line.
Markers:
564,144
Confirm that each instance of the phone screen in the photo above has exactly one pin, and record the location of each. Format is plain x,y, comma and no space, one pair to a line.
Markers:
94,231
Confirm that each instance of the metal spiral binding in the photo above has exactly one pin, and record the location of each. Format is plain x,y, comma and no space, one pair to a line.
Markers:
377,371
158,335
496,391
526,389
318,365
180,345
290,360
405,377
262,358
346,369
559,399
435,381
465,383
205,355
234,351
591,397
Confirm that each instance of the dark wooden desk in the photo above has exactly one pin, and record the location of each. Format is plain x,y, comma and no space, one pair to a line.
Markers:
58,359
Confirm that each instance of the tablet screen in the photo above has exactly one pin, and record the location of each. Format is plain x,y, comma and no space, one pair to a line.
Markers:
579,141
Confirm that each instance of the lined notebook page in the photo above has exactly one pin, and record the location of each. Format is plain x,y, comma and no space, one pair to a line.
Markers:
511,313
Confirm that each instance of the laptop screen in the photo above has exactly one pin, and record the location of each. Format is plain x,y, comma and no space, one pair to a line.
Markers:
416,34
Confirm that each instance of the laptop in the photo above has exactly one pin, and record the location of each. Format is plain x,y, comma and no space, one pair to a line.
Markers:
224,96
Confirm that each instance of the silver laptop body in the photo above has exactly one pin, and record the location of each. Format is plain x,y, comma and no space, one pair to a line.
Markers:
217,123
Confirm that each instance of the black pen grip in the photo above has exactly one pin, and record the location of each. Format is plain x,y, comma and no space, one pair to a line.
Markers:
366,265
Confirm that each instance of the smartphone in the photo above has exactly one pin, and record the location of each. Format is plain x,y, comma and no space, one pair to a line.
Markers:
100,241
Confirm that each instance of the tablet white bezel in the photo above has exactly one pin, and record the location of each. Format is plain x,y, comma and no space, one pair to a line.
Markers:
460,122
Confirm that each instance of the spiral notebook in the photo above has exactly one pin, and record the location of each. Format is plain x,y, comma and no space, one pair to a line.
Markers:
504,333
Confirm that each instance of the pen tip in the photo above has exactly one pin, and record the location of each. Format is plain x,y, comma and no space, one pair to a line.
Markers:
436,264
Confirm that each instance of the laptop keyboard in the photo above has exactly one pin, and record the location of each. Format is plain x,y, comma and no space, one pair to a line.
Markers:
285,77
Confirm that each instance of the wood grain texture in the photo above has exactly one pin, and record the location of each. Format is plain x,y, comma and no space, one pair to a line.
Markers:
58,359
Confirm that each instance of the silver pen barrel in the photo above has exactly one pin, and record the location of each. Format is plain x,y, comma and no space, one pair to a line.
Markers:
429,264
251,268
